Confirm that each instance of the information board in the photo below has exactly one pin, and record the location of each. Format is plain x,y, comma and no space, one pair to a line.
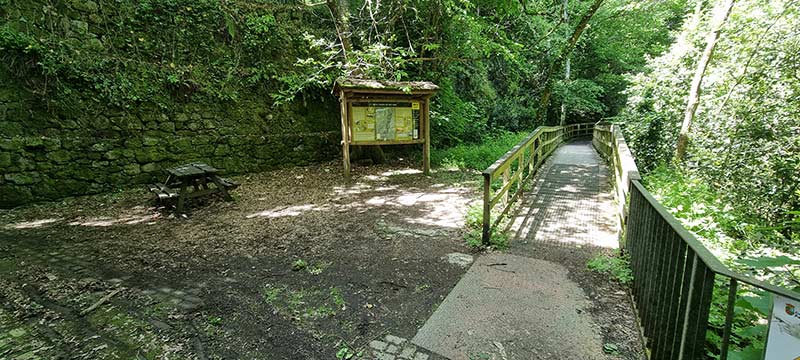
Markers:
385,121
783,340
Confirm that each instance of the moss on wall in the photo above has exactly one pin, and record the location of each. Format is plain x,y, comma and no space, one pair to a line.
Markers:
98,95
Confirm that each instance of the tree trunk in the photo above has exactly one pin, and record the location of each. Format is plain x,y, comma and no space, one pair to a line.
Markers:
721,12
340,11
544,101
565,17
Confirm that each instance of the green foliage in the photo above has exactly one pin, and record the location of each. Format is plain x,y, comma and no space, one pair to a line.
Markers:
474,225
583,99
156,51
476,156
744,140
740,244
299,264
615,265
747,335
611,349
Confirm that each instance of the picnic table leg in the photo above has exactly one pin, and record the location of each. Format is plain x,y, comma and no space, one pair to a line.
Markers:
182,198
221,188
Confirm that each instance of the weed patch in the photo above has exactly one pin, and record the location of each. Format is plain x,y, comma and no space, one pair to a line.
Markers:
615,265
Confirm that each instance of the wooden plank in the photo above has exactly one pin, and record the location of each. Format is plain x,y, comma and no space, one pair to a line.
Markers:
163,192
205,168
343,107
228,183
487,209
389,142
221,188
426,147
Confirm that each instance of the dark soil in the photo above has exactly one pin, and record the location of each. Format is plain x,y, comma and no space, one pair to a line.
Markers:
301,265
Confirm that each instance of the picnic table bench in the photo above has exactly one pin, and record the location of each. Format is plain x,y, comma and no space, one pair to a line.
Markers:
195,176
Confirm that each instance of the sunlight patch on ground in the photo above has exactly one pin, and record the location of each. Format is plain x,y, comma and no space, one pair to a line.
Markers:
287,211
107,221
33,224
402,172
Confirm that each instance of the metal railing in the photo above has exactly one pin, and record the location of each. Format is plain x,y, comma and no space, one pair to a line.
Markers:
517,166
674,274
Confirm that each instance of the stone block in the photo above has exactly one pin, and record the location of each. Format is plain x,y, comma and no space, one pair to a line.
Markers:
79,27
5,159
101,122
395,339
151,167
149,141
101,147
132,169
378,345
11,196
22,178
60,156
408,352
10,128
222,150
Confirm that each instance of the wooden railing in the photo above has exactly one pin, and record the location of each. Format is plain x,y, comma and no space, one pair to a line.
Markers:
610,143
509,173
673,273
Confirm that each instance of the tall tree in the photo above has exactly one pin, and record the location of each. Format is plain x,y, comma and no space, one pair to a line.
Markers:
721,12
565,17
544,101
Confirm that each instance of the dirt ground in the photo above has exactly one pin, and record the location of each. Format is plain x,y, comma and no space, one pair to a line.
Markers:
300,266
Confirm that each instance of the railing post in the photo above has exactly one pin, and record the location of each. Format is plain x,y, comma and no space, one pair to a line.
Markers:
506,178
726,334
487,210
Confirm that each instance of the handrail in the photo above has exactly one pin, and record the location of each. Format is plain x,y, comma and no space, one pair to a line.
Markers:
674,273
528,154
610,143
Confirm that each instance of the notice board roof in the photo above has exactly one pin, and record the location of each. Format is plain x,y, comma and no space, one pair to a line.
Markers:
385,86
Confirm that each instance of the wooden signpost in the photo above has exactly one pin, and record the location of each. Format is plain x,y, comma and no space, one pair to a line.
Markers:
385,113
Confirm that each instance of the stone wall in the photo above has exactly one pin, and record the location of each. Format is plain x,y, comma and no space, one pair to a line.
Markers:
97,95
46,156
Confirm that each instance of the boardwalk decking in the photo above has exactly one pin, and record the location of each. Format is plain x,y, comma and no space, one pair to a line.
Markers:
571,203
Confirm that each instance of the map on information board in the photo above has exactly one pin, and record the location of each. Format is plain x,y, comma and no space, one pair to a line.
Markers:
783,339
385,121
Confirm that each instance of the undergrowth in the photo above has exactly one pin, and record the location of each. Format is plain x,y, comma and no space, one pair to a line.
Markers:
742,243
474,224
615,265
476,156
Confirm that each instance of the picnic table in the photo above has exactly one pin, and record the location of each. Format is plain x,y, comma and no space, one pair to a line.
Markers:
195,176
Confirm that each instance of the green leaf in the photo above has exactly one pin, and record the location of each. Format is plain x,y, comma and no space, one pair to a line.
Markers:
749,353
768,261
761,304
230,25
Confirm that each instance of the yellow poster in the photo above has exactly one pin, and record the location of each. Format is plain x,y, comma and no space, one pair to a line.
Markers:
363,124
385,121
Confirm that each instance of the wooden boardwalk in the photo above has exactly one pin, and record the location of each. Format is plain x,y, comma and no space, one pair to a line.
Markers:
571,203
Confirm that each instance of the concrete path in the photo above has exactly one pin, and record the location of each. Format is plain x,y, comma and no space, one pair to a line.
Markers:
526,304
